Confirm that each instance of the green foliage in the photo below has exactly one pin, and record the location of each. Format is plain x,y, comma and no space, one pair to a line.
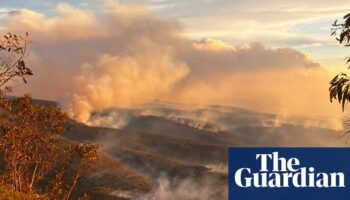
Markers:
340,84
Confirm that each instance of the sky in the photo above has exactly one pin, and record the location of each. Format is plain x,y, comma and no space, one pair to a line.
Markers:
300,24
273,56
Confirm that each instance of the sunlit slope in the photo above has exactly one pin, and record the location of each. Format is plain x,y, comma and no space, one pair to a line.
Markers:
158,148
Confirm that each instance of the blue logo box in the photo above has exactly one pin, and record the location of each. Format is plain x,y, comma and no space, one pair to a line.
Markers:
289,173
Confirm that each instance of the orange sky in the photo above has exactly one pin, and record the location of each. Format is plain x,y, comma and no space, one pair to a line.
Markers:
126,55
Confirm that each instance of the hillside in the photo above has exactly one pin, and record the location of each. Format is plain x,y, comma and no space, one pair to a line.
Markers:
172,153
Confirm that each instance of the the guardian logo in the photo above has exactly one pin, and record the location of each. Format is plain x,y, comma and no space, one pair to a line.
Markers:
286,173
289,173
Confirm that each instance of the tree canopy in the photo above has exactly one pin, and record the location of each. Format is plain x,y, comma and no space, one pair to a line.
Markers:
340,85
33,156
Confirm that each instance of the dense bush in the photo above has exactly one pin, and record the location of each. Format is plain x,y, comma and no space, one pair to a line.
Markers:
36,163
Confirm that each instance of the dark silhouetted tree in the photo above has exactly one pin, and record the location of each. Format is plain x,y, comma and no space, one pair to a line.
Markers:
340,85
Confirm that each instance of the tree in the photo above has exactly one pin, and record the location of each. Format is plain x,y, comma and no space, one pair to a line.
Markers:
339,89
340,85
13,50
33,157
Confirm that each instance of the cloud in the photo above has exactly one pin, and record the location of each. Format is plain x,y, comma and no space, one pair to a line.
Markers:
211,44
266,13
56,28
276,23
255,56
126,56
232,20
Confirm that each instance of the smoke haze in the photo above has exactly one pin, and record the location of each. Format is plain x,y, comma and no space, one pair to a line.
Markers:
124,56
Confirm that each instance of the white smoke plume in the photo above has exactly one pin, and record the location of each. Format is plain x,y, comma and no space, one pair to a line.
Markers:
186,190
123,56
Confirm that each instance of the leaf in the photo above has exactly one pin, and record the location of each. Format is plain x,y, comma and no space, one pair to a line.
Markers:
342,36
340,93
345,96
334,79
331,93
335,23
347,16
21,64
18,49
29,72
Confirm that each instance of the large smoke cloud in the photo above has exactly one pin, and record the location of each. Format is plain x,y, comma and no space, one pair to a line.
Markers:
125,56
